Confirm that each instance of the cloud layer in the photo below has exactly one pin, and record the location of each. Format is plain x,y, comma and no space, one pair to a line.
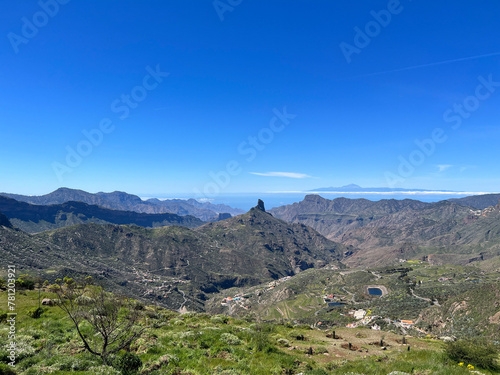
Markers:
281,174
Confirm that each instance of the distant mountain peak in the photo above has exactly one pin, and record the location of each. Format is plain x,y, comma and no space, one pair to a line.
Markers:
351,186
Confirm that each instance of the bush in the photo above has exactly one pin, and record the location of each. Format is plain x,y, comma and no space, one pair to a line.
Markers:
69,363
316,372
35,312
476,352
6,370
103,370
128,363
283,342
84,300
230,339
25,282
320,350
261,343
219,319
36,333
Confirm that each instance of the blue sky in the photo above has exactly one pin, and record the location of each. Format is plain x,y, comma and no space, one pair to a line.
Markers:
259,96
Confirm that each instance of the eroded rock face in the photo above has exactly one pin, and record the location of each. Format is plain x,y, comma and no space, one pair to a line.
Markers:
260,205
495,319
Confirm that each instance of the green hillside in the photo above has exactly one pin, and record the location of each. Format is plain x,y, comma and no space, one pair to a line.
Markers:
203,344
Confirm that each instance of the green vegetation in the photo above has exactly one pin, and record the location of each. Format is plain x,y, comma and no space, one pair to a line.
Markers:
194,343
453,301
474,351
105,323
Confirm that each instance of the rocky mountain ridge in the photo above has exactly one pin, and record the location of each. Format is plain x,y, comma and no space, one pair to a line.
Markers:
37,218
128,202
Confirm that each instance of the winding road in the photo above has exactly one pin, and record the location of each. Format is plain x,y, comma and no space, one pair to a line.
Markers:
435,302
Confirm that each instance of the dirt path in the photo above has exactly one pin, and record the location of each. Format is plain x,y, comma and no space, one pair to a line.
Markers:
281,312
435,302
185,299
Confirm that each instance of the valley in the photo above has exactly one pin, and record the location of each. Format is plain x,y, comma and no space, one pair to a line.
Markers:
391,268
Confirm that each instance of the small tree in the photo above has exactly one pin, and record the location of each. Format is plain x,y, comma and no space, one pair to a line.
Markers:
106,323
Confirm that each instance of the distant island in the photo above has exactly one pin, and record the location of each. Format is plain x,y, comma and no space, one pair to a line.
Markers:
353,188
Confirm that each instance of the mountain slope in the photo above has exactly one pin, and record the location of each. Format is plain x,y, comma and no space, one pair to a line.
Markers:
388,230
334,217
36,218
174,265
276,248
478,201
127,202
443,233
4,221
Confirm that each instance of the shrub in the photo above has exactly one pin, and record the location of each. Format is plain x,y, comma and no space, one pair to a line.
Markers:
6,369
84,300
25,282
69,363
261,343
320,350
476,352
35,312
296,335
128,363
35,333
138,305
219,319
103,370
230,339
316,372
283,342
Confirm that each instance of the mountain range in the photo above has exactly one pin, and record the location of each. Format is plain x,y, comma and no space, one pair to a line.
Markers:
128,202
169,263
37,218
387,230
180,260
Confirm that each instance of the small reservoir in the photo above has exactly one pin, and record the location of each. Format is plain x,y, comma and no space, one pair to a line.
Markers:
336,304
374,291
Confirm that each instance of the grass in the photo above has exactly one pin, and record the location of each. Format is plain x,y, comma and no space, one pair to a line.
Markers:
203,344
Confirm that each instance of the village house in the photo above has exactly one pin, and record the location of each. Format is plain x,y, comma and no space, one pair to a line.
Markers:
407,323
359,314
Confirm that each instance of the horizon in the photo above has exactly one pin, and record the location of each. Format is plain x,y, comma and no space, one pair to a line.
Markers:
273,199
164,98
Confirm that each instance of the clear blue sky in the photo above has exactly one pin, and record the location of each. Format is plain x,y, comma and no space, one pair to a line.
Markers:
231,69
